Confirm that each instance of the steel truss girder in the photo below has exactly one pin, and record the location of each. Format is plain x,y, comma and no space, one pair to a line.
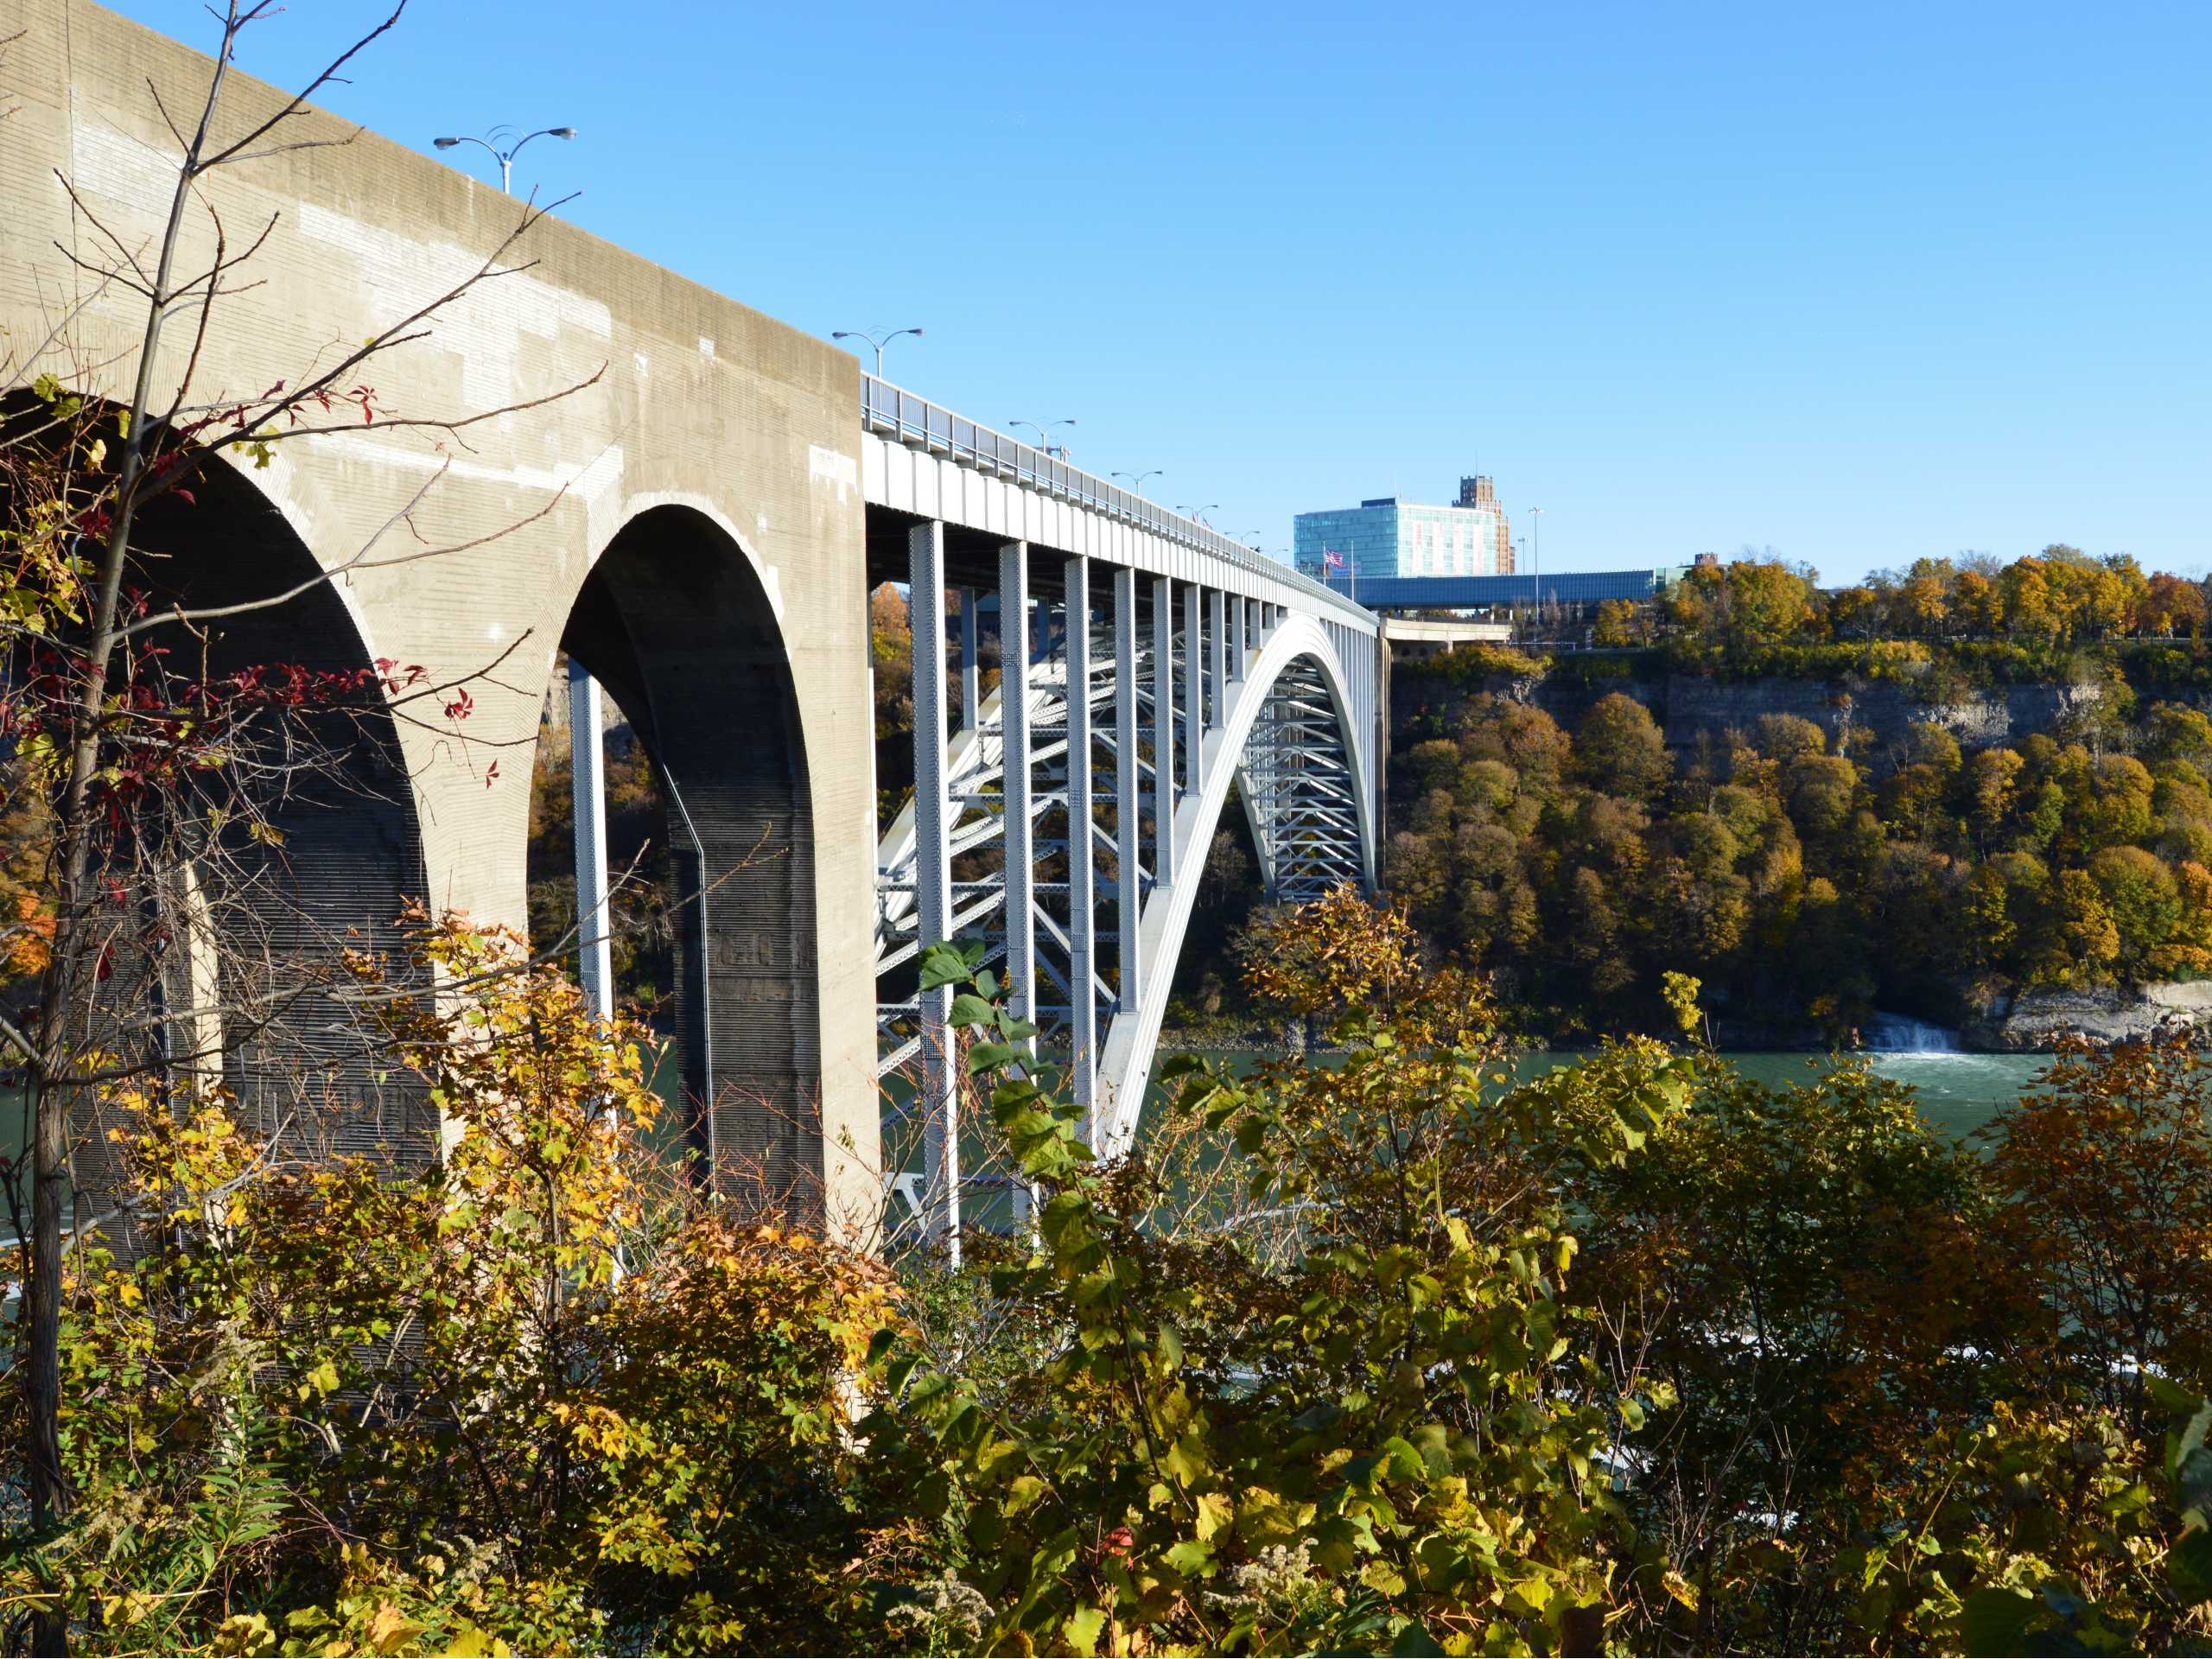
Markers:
1260,700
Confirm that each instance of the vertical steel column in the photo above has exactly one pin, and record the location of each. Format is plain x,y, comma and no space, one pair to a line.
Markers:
1236,638
1018,848
1013,719
971,700
1163,730
1252,626
933,885
1218,656
1083,999
1194,695
1129,833
587,781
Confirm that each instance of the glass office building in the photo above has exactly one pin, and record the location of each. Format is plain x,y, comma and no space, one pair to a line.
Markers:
1390,537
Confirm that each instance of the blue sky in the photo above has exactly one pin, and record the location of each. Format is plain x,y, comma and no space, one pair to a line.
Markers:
1859,283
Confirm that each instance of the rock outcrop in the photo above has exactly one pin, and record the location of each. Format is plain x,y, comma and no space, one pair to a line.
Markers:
1871,718
2036,1021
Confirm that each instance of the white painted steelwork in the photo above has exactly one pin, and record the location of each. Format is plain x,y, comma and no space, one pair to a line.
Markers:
1061,794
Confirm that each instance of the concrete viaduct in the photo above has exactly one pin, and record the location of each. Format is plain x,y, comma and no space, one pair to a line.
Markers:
699,530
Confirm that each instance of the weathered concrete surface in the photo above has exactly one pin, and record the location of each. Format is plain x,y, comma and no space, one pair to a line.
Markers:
701,404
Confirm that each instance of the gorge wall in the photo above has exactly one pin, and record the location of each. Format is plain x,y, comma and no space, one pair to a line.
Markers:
1867,719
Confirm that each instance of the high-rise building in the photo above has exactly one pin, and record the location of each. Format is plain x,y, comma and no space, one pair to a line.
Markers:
1478,493
1386,537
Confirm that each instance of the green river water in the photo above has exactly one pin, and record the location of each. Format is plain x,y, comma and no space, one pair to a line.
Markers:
1957,1092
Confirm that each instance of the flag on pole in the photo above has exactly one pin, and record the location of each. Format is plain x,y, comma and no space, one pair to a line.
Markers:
1332,560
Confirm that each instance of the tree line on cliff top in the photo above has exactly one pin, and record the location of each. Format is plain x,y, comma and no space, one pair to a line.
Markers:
2060,595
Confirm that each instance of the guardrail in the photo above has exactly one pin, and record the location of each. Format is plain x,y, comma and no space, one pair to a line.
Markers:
916,422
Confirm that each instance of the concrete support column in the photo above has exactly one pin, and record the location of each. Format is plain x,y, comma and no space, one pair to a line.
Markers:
587,780
971,700
1217,656
1013,716
1163,730
1194,691
1127,831
1252,626
1083,1009
938,1099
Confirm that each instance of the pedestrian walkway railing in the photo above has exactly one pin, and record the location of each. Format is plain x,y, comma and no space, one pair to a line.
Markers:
921,425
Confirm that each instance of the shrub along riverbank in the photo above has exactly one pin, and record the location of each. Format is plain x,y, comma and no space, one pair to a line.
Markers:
1367,1356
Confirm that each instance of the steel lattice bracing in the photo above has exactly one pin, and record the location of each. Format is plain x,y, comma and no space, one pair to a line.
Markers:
1150,667
1073,831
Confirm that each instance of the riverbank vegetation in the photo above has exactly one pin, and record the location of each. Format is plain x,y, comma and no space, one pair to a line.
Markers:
1802,884
1383,1355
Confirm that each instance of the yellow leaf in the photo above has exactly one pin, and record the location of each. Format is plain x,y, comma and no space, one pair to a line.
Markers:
1215,1513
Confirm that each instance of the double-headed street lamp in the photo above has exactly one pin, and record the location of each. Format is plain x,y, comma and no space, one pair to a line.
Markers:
505,157
1136,479
1199,513
877,339
1045,434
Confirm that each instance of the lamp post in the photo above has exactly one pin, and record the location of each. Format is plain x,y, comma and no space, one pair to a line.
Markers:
1044,433
1136,479
586,750
1536,557
505,157
1199,513
877,339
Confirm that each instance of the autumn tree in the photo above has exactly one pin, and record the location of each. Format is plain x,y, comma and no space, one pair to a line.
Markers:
152,774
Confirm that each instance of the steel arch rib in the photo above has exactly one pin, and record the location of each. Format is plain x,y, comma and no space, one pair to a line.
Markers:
1125,1060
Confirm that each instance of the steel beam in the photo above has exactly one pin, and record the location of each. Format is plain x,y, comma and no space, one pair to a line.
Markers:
1163,730
1194,691
588,783
938,1098
1013,721
1082,996
1217,656
1127,836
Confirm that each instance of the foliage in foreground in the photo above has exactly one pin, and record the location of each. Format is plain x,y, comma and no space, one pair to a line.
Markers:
1391,1355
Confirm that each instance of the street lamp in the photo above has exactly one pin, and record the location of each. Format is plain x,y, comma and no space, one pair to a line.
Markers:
1199,513
505,157
1136,479
1045,434
1536,530
878,340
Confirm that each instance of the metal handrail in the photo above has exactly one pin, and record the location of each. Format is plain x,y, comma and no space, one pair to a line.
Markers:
921,425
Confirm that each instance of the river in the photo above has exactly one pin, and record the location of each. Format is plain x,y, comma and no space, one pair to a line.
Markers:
1958,1092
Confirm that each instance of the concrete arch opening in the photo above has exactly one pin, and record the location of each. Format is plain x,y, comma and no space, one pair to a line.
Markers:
676,625
292,837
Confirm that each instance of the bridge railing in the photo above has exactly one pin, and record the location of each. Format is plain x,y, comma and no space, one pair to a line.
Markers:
922,424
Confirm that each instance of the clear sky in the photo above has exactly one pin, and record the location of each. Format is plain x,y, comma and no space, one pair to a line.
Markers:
1859,283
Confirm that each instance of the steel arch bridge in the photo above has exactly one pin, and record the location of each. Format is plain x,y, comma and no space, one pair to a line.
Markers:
1148,669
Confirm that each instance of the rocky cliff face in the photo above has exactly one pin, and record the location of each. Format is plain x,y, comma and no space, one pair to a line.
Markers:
2035,1021
1867,720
